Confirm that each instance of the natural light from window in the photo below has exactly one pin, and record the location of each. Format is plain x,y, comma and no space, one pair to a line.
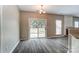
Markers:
58,27
76,24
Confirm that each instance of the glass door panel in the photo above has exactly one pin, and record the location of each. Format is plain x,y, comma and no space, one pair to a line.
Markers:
41,32
33,28
42,26
33,33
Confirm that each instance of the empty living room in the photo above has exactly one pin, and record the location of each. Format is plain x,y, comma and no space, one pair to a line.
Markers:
39,28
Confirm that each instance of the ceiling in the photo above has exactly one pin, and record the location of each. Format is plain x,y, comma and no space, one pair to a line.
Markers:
72,10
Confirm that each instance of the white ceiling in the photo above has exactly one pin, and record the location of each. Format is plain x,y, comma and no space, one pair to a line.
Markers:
54,9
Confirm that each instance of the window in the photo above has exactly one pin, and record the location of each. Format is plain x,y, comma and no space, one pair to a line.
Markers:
58,27
76,22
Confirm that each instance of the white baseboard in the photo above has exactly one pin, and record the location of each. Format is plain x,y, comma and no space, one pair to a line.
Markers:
56,36
14,47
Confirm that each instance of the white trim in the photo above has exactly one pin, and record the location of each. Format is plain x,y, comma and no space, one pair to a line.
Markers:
56,36
14,47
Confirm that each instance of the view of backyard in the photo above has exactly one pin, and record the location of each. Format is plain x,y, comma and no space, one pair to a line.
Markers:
37,28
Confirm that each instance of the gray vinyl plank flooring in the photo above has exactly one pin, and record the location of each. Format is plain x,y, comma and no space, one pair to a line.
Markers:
55,45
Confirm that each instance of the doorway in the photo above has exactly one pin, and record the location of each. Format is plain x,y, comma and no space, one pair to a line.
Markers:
37,28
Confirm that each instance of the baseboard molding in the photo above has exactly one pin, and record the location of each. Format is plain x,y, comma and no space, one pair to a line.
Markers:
55,36
14,47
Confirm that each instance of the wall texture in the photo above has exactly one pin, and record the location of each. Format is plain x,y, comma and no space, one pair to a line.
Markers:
24,27
10,28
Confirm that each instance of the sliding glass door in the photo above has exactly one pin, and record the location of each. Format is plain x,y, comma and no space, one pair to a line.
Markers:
37,28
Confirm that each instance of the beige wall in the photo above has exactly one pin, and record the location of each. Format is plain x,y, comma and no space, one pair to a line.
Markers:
68,22
24,16
10,27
